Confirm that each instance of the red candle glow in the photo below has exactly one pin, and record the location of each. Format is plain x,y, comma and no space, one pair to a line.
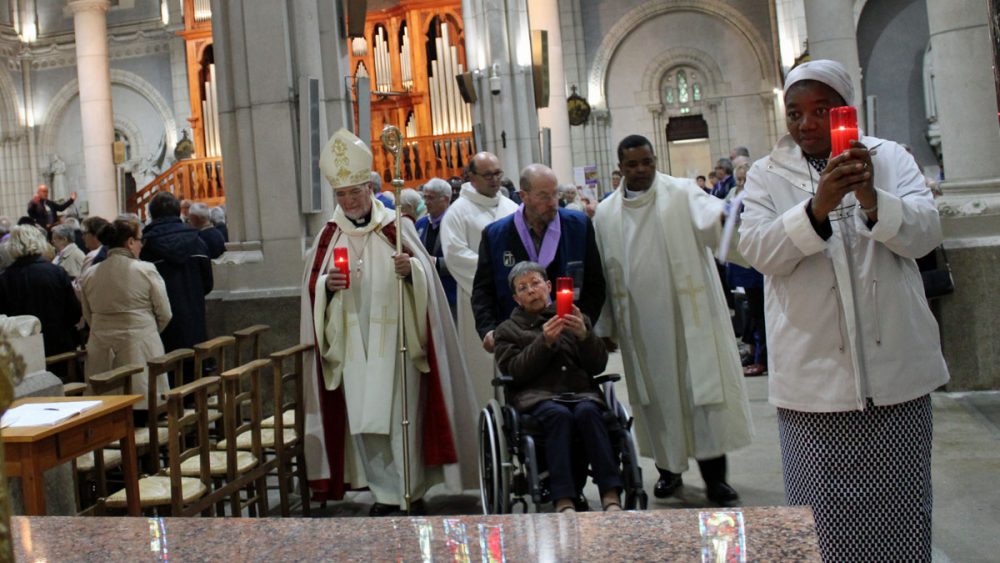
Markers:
341,263
564,296
843,129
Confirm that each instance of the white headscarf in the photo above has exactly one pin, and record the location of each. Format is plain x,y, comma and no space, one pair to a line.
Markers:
831,73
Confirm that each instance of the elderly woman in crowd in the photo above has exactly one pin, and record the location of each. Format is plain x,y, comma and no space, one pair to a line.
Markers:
125,303
68,255
553,360
34,286
854,349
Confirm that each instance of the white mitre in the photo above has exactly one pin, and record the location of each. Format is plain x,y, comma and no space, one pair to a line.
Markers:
346,160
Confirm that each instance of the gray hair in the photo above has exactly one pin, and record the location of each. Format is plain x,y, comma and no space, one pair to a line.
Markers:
64,232
725,164
218,214
438,186
199,210
741,151
5,222
563,188
522,268
410,198
376,179
26,240
71,222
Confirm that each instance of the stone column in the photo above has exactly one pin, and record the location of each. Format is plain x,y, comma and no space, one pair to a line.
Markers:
832,35
91,31
970,207
544,15
497,43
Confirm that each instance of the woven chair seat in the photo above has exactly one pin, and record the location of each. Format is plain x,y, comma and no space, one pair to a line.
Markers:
155,491
142,436
287,418
244,441
85,463
217,464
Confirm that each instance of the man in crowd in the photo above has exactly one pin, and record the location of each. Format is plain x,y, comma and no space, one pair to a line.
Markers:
181,257
43,210
561,240
388,199
200,220
354,437
437,198
724,174
669,316
479,205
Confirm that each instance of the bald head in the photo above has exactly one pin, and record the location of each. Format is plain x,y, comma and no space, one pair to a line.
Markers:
485,173
535,174
539,194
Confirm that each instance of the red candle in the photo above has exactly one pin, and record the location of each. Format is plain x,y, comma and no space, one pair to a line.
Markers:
843,129
341,263
564,296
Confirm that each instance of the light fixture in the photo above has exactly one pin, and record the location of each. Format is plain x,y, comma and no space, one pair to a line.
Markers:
495,79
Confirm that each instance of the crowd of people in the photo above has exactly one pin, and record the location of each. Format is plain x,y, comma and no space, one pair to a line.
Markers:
813,251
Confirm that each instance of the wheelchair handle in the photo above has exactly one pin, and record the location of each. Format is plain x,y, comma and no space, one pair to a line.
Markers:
606,377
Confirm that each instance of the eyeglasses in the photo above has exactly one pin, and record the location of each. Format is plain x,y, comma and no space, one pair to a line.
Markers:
533,285
491,175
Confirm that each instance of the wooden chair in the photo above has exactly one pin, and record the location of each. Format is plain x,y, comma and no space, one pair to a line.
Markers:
210,357
150,438
73,362
114,382
290,453
169,490
248,343
242,416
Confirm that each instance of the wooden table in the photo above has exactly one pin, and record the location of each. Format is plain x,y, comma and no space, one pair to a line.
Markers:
31,450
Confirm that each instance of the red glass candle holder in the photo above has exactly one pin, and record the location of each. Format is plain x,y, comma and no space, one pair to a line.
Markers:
843,129
564,296
341,262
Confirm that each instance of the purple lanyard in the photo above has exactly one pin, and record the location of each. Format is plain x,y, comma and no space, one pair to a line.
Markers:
550,241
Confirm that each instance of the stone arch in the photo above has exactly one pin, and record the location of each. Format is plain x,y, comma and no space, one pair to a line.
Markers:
609,45
677,56
124,78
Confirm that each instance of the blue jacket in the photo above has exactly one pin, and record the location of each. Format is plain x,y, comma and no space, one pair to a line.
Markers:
501,248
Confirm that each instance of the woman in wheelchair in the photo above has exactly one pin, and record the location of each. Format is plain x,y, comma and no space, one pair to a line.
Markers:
552,361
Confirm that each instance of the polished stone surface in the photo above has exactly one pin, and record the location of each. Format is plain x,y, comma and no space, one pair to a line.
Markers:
766,534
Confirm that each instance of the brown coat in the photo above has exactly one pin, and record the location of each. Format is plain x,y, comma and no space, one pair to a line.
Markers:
540,372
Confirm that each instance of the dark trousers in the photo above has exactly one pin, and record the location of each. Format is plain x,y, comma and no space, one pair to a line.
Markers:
585,420
713,470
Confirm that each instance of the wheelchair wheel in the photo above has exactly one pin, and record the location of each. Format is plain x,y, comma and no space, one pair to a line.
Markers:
494,478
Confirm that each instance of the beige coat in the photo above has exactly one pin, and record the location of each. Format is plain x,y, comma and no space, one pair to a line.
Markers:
71,259
125,303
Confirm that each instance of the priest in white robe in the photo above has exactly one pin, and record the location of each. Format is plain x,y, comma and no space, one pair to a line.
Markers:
353,398
478,205
666,309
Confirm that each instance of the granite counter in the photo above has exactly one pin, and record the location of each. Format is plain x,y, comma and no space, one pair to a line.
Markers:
748,534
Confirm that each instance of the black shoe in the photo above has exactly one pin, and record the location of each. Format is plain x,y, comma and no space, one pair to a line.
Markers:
580,503
668,484
418,508
379,509
721,493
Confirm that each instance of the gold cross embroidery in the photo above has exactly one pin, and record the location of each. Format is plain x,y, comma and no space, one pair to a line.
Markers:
691,292
385,321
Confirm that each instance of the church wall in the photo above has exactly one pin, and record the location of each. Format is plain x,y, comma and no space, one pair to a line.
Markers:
970,335
733,108
892,38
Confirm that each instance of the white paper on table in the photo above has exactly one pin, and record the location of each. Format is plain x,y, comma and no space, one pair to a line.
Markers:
44,414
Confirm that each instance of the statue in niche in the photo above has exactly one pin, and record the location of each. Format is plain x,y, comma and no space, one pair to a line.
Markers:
55,176
184,148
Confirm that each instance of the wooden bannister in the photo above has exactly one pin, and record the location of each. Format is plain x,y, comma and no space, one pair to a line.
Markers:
197,179
440,156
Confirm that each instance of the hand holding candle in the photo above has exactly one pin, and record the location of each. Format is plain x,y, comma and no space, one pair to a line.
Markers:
843,129
342,264
564,296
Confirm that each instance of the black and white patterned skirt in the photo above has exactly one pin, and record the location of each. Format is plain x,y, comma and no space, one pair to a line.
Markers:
866,475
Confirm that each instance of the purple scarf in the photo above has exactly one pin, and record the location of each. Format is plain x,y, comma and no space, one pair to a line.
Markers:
550,241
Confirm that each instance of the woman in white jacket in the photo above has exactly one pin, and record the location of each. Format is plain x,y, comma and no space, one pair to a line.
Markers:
854,350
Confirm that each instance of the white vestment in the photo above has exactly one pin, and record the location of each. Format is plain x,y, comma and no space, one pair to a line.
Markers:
461,231
355,332
666,309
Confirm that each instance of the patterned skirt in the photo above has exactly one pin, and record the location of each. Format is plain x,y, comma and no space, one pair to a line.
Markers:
866,475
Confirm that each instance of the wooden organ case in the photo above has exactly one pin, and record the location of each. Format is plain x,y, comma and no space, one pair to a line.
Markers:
411,52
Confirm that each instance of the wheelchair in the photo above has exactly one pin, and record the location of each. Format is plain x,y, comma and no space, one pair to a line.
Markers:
512,463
